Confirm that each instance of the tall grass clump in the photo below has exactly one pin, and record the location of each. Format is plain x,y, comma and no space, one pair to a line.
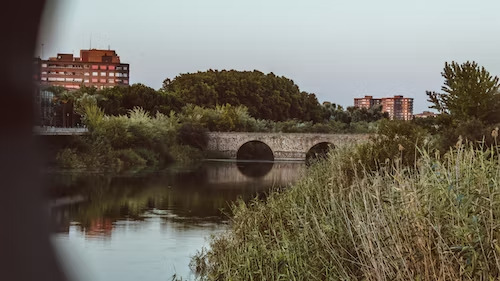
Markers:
435,220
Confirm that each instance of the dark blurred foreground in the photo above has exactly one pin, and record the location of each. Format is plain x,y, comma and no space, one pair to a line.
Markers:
25,249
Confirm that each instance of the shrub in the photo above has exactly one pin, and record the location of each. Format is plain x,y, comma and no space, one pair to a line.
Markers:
68,158
130,158
148,155
193,135
185,155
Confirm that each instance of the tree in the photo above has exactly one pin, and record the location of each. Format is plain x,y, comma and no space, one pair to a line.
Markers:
266,96
469,92
65,99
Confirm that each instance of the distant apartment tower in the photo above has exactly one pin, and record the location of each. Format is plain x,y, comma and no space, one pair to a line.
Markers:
398,107
99,68
366,102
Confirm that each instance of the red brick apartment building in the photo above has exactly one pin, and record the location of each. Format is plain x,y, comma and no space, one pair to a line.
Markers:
99,68
398,107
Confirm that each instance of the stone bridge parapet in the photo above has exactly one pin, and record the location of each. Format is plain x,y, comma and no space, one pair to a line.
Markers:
285,146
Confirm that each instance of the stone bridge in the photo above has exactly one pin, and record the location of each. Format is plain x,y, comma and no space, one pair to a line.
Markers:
284,146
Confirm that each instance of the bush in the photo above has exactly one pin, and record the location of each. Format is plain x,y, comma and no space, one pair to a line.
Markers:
68,158
130,158
186,155
393,139
193,135
148,155
471,130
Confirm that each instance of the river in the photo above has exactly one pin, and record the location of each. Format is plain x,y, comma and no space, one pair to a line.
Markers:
147,226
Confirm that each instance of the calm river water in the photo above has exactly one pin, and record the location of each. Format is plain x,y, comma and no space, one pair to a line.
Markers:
148,226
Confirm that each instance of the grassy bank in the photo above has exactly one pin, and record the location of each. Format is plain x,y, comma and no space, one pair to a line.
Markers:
438,220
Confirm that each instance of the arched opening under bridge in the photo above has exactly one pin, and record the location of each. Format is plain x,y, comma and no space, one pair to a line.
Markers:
318,151
255,159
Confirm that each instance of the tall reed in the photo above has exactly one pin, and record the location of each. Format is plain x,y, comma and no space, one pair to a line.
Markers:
436,220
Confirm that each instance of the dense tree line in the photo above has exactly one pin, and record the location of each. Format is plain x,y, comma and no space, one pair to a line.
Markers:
266,96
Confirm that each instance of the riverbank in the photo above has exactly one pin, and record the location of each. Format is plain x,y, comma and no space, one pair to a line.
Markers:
435,220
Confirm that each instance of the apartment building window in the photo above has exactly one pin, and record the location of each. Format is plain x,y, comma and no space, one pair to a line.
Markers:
86,80
102,80
124,68
94,74
111,74
102,67
111,80
103,73
95,66
44,65
111,67
94,80
86,74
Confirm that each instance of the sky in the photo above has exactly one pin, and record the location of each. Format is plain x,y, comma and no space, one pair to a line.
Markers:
335,49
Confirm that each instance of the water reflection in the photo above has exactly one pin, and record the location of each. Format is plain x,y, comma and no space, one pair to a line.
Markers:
255,169
162,217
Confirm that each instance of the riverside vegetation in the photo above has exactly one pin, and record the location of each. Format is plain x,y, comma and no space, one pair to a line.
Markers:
435,220
135,127
412,204
138,139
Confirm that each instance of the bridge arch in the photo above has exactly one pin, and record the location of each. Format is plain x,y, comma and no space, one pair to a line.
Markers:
319,150
255,150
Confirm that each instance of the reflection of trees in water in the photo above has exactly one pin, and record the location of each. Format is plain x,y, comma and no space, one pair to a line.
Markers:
255,170
186,196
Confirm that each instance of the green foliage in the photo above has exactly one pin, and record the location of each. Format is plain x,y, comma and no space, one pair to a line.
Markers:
127,141
193,135
221,118
469,106
68,158
394,139
266,96
436,221
119,100
469,92
149,156
93,117
472,130
185,155
337,113
129,158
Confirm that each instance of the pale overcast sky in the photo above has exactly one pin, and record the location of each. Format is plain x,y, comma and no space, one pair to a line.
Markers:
336,49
